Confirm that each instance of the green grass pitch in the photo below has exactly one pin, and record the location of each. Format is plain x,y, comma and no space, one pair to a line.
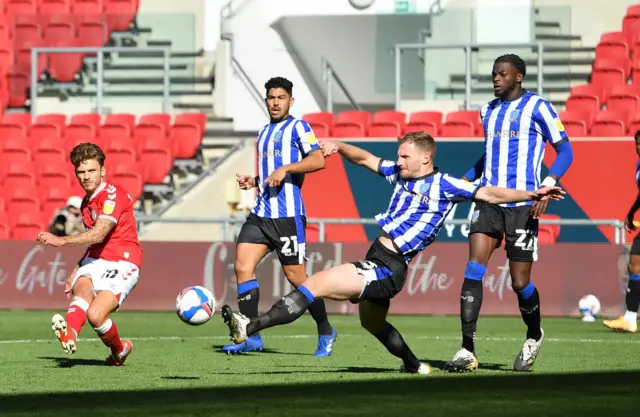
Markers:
583,369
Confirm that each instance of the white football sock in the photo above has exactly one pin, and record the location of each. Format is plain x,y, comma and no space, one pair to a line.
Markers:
630,316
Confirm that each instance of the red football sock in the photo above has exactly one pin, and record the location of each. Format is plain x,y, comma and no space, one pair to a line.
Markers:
77,315
108,333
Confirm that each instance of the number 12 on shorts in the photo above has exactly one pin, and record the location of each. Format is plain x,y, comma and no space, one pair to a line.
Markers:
286,247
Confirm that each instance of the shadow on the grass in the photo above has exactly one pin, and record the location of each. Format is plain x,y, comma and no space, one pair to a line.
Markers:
218,349
579,394
63,362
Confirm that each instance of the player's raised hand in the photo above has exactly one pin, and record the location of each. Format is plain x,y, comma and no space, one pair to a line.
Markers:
245,182
276,178
629,224
49,239
329,147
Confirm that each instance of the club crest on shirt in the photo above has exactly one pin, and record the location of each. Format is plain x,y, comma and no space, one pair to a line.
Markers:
424,187
108,207
277,136
513,116
94,215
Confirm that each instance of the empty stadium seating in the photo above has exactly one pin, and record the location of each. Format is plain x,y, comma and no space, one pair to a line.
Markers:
391,123
36,176
25,24
610,104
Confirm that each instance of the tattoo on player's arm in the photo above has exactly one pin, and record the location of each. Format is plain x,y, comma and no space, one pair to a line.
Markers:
94,235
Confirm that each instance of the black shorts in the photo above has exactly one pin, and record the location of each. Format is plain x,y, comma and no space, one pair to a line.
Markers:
385,273
635,246
286,235
516,223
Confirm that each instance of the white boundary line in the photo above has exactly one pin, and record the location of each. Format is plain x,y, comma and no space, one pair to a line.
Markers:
309,336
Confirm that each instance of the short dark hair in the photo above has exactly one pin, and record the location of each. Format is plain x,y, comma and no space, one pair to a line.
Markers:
421,140
85,152
279,82
637,135
514,60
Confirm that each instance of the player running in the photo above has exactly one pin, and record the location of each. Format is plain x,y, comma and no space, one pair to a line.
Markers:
287,149
419,205
517,126
628,322
109,269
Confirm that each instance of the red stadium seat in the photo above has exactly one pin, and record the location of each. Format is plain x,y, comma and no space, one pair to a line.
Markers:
435,117
429,127
24,200
40,131
156,160
576,123
5,229
55,176
608,124
16,150
321,117
390,116
624,99
584,98
349,130
54,7
355,116
19,174
28,225
120,14
185,140
50,151
605,78
321,130
612,49
472,116
459,129
631,28
12,131
198,119
125,119
91,119
156,119
131,182
385,130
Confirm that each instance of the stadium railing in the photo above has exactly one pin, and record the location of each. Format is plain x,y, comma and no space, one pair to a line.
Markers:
227,222
468,48
165,52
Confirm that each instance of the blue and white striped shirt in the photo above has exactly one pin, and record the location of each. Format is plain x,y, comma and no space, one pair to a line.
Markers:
516,133
281,144
419,206
638,175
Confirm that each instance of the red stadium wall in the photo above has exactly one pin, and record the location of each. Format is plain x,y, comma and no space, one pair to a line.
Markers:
33,277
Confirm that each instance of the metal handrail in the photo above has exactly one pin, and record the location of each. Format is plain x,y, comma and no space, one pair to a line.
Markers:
329,74
618,225
100,51
249,85
468,48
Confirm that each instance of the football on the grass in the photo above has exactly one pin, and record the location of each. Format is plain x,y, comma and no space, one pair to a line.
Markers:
195,305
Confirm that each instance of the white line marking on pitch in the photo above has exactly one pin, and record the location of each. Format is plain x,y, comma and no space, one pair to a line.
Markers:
309,336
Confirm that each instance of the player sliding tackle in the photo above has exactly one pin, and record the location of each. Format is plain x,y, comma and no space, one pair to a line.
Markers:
422,198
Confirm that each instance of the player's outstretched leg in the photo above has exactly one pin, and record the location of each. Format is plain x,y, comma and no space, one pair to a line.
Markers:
338,283
529,303
373,317
67,329
628,322
327,335
470,304
98,314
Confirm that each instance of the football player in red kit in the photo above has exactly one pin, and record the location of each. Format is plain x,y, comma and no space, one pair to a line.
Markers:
109,269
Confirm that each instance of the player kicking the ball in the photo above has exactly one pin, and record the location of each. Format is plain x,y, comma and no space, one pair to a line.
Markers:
109,269
419,205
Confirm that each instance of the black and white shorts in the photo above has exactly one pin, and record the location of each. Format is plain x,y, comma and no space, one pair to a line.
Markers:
384,272
286,235
516,223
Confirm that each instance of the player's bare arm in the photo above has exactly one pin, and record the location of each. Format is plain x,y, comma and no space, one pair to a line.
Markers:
499,195
90,237
353,154
628,223
311,163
